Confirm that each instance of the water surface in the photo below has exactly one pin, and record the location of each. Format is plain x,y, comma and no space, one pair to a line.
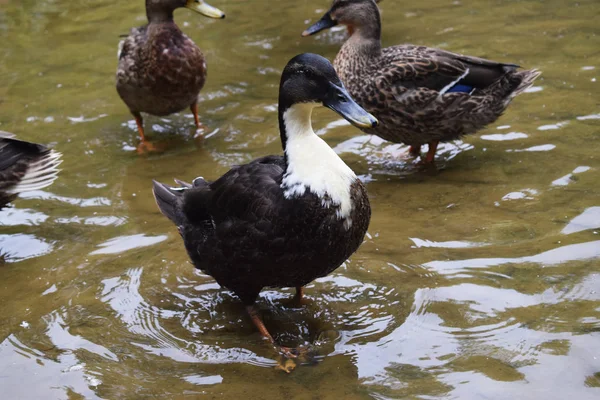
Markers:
478,281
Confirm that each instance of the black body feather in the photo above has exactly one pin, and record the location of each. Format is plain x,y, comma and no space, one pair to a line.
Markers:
24,166
241,229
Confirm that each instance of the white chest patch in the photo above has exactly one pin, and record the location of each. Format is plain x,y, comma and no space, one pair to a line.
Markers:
313,165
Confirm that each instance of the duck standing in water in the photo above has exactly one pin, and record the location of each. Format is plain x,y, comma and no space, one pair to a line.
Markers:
24,167
161,71
279,221
419,94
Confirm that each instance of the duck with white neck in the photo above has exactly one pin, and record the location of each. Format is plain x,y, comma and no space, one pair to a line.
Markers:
279,221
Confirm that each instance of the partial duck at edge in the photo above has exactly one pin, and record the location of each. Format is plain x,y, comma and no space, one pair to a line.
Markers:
25,167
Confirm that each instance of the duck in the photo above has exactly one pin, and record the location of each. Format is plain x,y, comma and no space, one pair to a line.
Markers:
420,95
281,220
24,167
161,71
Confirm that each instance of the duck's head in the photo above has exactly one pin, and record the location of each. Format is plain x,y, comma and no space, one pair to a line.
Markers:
310,80
162,10
357,15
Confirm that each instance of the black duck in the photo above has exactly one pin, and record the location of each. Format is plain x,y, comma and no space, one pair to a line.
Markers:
279,221
419,94
24,167
161,71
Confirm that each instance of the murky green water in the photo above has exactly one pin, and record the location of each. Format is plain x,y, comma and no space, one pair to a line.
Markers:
480,281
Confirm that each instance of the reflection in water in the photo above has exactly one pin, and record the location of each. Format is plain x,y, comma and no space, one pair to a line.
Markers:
46,378
499,137
542,147
43,195
16,216
20,247
557,256
454,244
567,179
589,219
486,299
124,243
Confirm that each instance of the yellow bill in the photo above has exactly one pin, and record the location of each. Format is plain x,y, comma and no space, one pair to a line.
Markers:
205,9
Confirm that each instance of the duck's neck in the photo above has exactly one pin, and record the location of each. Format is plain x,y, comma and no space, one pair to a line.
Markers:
366,37
311,165
157,13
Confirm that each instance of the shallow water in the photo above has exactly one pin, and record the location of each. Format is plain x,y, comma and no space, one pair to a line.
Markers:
481,280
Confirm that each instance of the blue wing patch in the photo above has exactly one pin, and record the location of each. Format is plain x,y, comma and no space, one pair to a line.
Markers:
460,88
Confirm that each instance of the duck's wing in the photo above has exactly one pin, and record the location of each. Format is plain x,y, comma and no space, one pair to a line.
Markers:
26,166
136,38
418,67
247,192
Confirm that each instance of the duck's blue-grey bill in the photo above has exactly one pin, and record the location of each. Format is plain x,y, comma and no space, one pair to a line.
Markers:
342,103
324,23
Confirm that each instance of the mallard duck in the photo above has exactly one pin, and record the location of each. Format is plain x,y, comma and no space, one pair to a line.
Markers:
419,94
279,221
161,71
24,167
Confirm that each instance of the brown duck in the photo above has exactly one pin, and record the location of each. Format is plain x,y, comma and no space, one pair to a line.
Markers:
419,94
161,71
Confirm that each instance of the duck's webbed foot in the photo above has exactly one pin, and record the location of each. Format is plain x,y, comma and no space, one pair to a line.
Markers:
264,331
285,364
287,352
146,147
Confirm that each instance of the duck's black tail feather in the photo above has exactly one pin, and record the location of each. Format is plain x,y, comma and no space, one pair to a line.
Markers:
26,166
169,201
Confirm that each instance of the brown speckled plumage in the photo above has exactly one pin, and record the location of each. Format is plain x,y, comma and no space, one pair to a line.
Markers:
406,87
161,71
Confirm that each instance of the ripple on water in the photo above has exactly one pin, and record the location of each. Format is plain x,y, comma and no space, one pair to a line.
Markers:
557,256
485,330
80,202
568,179
589,219
381,153
19,247
147,322
21,216
454,244
122,244
46,378
500,137
542,147
189,322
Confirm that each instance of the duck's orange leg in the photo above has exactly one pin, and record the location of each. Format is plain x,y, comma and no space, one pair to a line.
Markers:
431,152
140,124
299,299
194,109
415,151
299,294
145,146
286,351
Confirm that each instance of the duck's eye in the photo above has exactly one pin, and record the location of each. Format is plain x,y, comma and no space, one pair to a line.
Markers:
341,98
